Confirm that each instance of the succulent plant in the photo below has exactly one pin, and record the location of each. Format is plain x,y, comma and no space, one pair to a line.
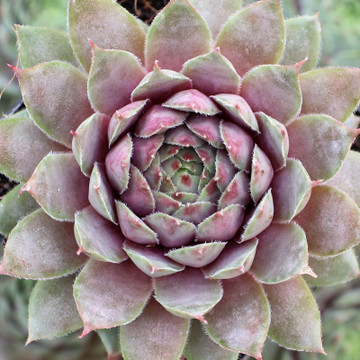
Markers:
194,172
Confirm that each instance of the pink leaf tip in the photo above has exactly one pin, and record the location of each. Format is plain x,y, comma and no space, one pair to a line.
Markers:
85,332
316,182
300,64
26,187
91,44
73,133
201,318
13,68
80,250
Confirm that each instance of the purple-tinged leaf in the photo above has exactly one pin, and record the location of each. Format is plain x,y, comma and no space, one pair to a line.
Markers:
101,196
212,74
210,192
191,100
185,197
291,187
238,110
200,346
133,227
295,318
159,84
225,170
97,237
138,196
241,320
113,75
50,44
205,178
237,192
173,45
22,146
274,90
333,271
235,260
253,36
207,155
41,248
59,187
188,155
89,144
330,91
222,225
303,41
155,334
145,150
261,174
117,164
102,22
239,144
182,136
207,128
164,203
167,151
151,260
153,174
188,294
56,97
273,139
197,255
109,295
320,143
171,166
167,185
195,212
52,310
281,253
260,218
326,235
172,232
186,181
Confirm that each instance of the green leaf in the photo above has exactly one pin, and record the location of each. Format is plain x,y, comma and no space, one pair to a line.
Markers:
111,341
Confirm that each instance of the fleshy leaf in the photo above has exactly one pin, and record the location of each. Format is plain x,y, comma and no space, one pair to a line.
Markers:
113,75
212,73
200,346
182,136
56,97
155,334
210,192
41,248
253,36
97,237
173,45
320,143
327,236
58,185
291,187
330,91
234,261
102,22
281,253
273,89
303,40
110,340
153,174
151,261
50,44
164,203
333,271
187,294
295,318
22,146
109,295
241,320
195,212
224,168
52,309
13,207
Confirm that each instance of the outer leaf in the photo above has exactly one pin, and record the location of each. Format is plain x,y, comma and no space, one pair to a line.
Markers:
109,295
200,346
333,271
173,45
187,294
102,22
303,40
40,248
22,146
273,89
13,207
110,340
43,44
113,75
155,334
241,320
254,36
331,91
295,318
56,97
320,143
52,309
58,186
326,235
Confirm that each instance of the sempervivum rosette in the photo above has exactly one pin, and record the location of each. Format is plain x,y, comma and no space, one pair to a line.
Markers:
186,181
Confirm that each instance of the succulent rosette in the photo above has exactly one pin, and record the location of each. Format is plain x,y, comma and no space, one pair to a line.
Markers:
185,174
